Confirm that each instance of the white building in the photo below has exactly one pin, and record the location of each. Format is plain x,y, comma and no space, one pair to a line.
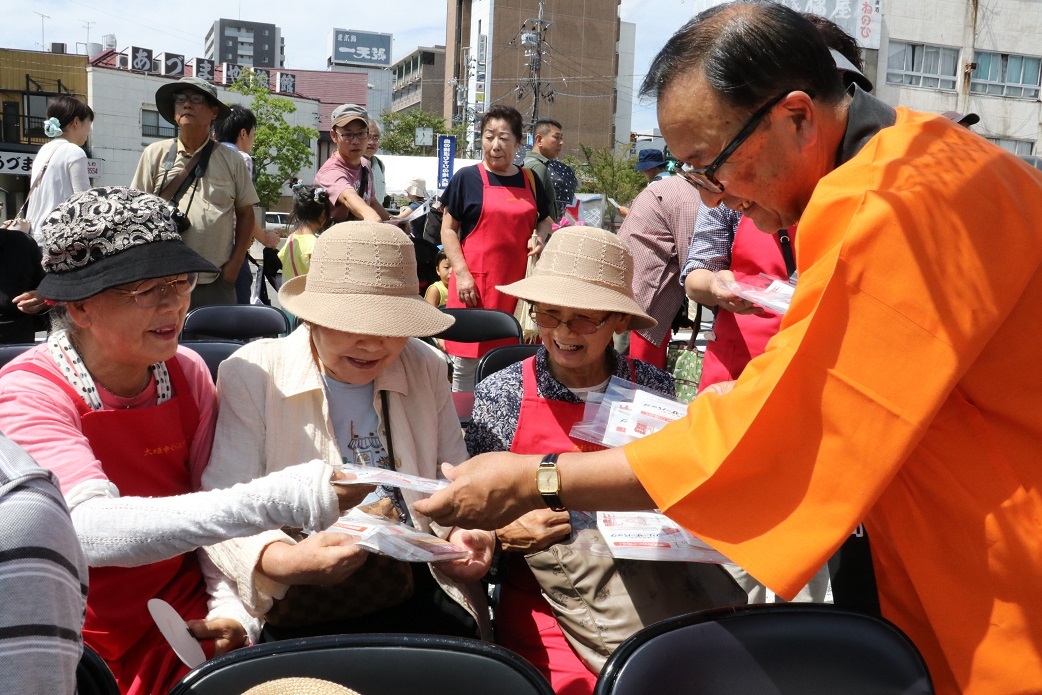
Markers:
126,120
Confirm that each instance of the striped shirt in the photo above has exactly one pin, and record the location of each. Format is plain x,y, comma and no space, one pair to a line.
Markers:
658,232
712,241
43,580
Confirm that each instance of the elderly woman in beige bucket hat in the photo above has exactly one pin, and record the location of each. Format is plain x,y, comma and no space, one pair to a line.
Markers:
351,384
562,609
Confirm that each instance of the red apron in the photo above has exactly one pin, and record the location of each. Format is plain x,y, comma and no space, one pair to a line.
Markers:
496,251
741,337
526,625
118,625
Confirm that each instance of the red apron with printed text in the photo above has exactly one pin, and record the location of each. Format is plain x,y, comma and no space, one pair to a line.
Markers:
144,453
526,624
741,337
496,251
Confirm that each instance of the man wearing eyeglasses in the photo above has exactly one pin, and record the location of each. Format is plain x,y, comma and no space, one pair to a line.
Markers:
347,175
217,195
904,386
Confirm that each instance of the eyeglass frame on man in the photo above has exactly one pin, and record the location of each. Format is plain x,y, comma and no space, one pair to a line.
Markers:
197,98
360,136
536,315
705,178
141,297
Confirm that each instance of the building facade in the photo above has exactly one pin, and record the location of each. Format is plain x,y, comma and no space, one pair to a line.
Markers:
554,59
246,43
419,81
351,50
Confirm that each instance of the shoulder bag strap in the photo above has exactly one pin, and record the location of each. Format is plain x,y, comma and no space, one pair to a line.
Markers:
386,408
179,184
695,328
25,203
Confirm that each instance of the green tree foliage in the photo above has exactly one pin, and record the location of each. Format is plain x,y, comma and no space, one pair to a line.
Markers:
608,172
399,132
280,150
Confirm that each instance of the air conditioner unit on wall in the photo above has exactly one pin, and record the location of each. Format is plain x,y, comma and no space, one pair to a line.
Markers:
124,62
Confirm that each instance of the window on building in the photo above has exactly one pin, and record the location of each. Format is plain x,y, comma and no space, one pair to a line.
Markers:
922,65
1017,147
155,126
228,43
1006,75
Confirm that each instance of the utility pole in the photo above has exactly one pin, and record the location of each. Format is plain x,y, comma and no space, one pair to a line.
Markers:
533,38
43,18
88,25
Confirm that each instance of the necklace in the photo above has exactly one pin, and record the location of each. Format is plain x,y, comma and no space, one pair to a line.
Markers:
125,401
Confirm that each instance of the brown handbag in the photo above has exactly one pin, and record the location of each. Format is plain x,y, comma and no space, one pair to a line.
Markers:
381,582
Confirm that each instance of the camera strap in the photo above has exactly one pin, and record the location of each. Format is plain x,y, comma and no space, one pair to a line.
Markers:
194,169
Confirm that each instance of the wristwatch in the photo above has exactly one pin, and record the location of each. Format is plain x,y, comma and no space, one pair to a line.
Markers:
548,482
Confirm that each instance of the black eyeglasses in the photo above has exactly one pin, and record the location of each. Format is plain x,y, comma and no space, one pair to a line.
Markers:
360,135
194,97
706,178
152,296
582,326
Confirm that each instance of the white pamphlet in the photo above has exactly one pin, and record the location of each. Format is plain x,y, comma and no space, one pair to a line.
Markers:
652,536
400,541
176,632
374,475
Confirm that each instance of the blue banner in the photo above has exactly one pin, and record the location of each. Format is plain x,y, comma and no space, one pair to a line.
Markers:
446,159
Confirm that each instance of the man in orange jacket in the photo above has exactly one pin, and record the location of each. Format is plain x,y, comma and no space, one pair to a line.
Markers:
904,386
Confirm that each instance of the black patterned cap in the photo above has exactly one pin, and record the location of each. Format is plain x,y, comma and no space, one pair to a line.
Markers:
109,236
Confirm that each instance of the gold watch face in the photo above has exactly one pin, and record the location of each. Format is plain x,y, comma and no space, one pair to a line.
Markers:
547,481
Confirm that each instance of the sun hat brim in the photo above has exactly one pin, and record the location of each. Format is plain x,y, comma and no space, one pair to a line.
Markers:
573,293
364,314
165,100
142,262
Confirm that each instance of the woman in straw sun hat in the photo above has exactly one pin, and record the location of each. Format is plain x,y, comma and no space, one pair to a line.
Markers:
551,595
124,417
351,384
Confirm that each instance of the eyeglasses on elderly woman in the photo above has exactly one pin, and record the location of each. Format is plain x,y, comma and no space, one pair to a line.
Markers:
151,292
580,325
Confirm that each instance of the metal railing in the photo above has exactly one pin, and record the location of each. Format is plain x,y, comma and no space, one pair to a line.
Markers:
27,130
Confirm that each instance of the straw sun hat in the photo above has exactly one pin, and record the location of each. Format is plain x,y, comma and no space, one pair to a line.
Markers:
363,280
583,268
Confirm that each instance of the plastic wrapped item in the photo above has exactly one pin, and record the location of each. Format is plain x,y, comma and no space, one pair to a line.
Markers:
650,536
771,293
625,412
400,541
374,475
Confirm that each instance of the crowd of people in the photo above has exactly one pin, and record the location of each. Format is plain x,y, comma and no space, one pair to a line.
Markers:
897,392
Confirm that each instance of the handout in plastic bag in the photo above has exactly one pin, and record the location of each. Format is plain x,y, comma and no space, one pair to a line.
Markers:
374,475
765,291
651,535
397,540
625,412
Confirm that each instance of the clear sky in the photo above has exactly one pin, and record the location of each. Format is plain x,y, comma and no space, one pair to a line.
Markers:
180,27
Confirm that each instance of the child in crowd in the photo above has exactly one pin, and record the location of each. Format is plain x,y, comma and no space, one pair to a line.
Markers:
438,292
308,216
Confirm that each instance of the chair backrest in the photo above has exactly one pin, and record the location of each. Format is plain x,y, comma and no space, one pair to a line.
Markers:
502,357
11,350
775,648
93,676
477,325
213,352
390,664
240,322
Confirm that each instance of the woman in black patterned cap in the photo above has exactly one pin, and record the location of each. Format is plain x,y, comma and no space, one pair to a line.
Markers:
125,419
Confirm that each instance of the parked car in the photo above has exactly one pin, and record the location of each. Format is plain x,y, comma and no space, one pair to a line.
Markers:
278,221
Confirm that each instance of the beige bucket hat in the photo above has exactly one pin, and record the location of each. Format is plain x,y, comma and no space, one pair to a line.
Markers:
300,686
583,268
363,280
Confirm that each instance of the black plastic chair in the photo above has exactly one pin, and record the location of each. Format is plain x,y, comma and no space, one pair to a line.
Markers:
502,357
776,649
11,350
240,322
478,325
213,352
389,664
93,676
